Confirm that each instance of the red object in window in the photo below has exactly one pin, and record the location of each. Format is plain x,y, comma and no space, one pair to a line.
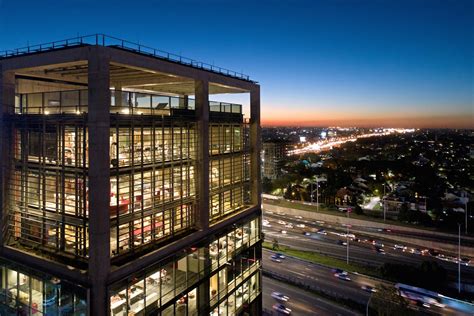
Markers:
139,230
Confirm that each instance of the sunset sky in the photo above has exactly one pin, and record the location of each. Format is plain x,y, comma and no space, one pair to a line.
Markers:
404,63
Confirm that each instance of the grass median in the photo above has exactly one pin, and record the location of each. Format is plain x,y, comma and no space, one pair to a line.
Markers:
324,260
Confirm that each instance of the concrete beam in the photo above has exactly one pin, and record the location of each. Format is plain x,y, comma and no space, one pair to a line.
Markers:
127,59
62,57
99,179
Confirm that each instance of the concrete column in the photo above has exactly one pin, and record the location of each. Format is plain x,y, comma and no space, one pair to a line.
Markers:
183,102
118,95
7,106
255,147
201,91
99,179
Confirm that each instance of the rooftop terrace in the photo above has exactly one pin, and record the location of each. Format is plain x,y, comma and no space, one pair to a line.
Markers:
110,41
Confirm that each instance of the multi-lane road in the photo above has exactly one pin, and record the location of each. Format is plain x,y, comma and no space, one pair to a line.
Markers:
301,302
322,278
361,251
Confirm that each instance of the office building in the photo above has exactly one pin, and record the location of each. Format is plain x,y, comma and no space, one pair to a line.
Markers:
274,153
124,189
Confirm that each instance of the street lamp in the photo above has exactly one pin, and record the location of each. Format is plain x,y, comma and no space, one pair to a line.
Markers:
459,257
347,235
368,303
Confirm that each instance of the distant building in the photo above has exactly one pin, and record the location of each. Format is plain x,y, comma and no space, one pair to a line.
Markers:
274,154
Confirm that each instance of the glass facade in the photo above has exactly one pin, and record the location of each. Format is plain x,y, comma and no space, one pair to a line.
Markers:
25,292
229,265
152,179
228,169
152,161
48,185
54,189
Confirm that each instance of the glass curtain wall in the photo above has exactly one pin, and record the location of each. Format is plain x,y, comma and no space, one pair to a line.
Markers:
152,192
48,185
228,262
26,293
228,169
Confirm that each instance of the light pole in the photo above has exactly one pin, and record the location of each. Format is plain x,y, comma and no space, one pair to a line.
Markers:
459,257
384,208
347,235
368,303
317,194
465,209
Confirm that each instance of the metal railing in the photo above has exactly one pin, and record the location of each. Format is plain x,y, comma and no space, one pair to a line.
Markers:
134,103
110,41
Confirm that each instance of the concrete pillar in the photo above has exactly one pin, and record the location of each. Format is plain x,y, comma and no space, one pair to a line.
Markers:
118,95
183,102
99,179
201,91
255,146
7,106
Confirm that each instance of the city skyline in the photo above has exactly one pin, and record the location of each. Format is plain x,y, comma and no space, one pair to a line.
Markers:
347,63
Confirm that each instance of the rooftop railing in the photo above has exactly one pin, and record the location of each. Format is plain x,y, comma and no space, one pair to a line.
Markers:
123,102
110,41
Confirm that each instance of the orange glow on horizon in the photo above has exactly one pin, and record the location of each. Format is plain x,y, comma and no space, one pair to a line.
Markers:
345,120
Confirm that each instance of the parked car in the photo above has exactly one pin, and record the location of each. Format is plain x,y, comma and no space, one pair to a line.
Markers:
301,225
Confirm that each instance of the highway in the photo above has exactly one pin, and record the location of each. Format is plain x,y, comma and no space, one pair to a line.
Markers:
301,302
322,279
361,251
320,276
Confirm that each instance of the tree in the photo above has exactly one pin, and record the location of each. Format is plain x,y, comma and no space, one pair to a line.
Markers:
275,245
358,210
387,301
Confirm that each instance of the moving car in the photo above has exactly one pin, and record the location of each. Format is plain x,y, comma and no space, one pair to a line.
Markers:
397,246
306,234
322,231
368,288
377,243
282,309
343,243
279,256
339,271
280,297
341,276
283,231
275,259
301,226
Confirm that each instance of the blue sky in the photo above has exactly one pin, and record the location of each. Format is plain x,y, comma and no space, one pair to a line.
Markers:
333,62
